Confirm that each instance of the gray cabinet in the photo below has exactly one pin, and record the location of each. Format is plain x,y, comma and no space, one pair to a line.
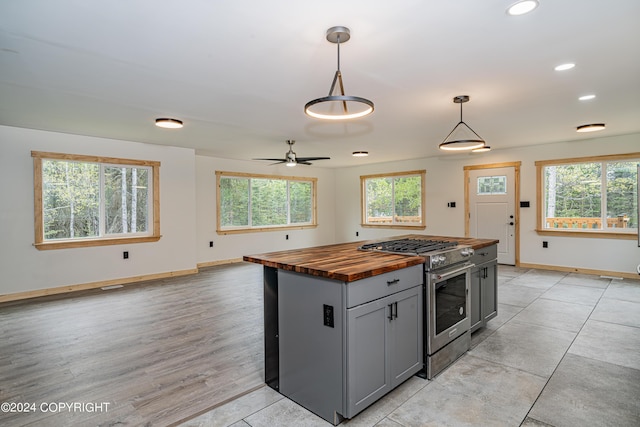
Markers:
384,346
484,287
341,346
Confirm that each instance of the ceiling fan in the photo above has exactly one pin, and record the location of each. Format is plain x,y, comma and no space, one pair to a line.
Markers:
291,159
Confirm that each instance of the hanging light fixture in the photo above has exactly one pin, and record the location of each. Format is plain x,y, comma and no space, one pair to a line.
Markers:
462,137
338,107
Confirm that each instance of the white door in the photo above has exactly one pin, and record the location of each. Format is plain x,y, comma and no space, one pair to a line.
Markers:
492,209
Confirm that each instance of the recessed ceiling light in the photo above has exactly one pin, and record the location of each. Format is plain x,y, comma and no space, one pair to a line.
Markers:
169,123
522,7
564,67
482,149
586,97
593,127
360,154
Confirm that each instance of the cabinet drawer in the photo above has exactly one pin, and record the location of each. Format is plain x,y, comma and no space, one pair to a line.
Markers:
372,288
485,254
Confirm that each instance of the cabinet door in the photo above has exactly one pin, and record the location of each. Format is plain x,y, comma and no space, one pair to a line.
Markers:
490,292
368,376
406,335
475,314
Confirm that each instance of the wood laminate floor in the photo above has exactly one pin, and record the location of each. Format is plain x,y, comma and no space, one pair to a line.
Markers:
151,354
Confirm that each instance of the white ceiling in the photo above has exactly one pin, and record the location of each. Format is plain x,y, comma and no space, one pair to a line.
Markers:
238,73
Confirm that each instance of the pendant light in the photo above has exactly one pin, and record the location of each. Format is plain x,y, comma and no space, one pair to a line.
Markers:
338,107
462,137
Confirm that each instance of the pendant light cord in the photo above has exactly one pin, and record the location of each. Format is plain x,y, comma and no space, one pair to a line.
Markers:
338,52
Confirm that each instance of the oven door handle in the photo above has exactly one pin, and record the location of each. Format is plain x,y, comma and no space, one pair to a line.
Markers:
446,274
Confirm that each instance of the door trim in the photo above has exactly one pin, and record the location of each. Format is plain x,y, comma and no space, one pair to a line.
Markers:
516,168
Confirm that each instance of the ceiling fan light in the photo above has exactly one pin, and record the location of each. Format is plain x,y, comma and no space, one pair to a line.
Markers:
587,97
522,7
169,123
592,127
341,106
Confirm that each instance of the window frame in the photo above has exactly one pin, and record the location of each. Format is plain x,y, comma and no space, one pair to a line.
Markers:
41,244
607,233
250,229
363,199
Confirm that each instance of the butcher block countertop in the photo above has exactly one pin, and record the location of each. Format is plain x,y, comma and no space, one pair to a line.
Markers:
346,263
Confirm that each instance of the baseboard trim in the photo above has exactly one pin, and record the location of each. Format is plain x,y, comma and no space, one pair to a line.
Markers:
581,270
94,285
220,262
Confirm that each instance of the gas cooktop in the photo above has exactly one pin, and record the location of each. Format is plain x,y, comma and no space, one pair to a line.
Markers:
437,253
409,246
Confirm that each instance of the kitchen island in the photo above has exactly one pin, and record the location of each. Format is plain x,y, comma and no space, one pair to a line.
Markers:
343,327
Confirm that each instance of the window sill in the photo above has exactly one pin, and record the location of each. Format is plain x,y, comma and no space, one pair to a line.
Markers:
43,246
264,229
409,227
627,235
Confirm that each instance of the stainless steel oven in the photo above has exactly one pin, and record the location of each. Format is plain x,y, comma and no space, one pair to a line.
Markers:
447,316
447,280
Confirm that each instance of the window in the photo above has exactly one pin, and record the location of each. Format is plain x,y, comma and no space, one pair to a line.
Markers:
492,185
393,200
93,201
592,195
249,202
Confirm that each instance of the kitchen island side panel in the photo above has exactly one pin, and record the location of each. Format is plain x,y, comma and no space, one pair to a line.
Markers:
311,342
271,344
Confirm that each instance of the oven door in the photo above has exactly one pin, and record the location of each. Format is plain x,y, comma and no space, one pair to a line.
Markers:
449,305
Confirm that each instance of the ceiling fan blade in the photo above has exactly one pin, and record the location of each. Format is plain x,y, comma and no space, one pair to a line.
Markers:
308,159
274,160
303,163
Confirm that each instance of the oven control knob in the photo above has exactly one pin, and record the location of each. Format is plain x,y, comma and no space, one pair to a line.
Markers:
467,251
438,260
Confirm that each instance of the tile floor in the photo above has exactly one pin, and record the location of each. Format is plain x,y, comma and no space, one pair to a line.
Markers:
563,351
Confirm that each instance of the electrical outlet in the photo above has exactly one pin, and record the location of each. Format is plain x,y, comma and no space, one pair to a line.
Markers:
545,244
357,234
286,237
125,255
211,244
328,315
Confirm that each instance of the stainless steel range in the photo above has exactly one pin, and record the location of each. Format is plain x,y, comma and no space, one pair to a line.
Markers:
447,281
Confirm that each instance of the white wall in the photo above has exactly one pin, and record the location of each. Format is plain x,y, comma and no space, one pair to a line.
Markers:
444,183
187,184
24,268
233,246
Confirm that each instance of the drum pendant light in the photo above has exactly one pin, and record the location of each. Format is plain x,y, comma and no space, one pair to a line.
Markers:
462,137
341,106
